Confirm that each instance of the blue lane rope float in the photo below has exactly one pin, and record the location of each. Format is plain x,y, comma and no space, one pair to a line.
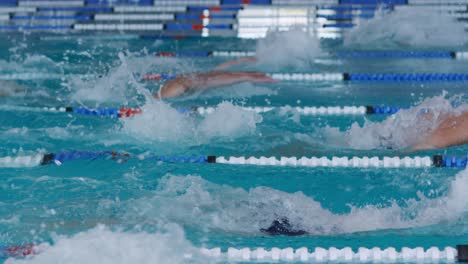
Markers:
58,158
402,77
400,54
303,110
65,156
339,25
347,254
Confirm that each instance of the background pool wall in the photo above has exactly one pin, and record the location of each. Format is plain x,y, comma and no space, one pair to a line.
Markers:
204,18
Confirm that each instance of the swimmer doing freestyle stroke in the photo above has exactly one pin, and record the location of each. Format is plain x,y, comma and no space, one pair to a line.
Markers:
216,78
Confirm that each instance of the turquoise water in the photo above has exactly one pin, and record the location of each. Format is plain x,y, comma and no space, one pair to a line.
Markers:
173,208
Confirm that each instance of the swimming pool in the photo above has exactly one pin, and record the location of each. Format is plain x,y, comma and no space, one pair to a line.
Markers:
131,209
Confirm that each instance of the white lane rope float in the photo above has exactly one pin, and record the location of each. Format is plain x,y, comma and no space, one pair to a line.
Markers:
332,254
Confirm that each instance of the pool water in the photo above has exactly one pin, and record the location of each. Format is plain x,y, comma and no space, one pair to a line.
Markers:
129,211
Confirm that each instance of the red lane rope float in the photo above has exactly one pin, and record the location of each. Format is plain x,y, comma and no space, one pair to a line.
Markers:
165,54
18,251
198,26
127,112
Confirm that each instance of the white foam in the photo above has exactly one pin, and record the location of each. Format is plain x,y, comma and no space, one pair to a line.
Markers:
229,121
160,122
407,28
294,48
104,246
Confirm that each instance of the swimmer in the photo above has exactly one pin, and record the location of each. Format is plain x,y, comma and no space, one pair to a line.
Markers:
282,227
218,77
452,131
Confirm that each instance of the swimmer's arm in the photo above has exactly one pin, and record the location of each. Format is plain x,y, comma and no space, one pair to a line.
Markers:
451,132
202,81
173,88
230,63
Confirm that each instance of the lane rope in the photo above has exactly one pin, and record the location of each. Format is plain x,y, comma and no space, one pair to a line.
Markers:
128,111
332,254
303,254
31,76
353,77
340,54
58,158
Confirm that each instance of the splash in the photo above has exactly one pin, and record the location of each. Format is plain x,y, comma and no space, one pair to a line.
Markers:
429,28
191,200
402,130
115,86
102,245
294,48
121,84
229,121
160,122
